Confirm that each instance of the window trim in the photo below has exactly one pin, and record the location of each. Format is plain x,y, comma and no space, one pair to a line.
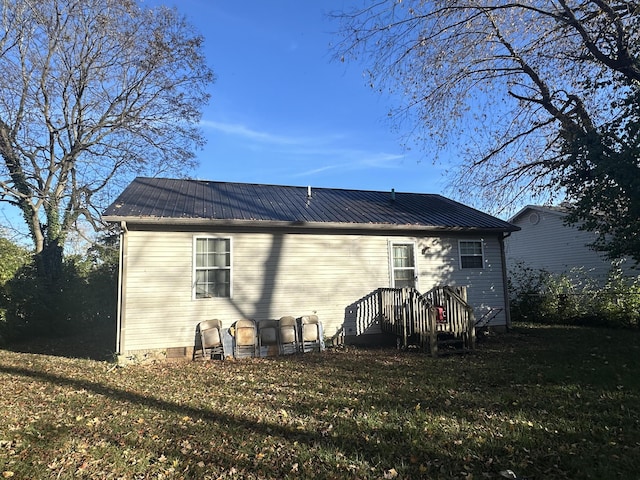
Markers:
482,254
195,269
392,268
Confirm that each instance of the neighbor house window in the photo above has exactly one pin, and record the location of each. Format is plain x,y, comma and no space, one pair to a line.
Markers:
471,255
212,267
403,265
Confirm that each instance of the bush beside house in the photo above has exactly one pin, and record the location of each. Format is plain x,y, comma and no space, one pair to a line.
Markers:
540,296
84,297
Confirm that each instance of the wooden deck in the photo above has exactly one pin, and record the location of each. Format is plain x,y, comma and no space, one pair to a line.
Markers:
438,319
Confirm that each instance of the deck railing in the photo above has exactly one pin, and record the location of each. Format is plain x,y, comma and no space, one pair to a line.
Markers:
406,314
440,315
458,311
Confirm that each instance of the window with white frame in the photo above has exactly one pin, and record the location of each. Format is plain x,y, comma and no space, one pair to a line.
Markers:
403,265
471,253
212,267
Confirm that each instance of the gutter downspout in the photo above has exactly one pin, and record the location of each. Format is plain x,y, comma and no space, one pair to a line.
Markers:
505,287
120,316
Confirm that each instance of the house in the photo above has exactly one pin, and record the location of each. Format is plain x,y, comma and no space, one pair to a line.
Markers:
194,250
546,242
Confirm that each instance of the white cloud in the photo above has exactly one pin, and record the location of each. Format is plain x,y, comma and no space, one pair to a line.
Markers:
320,154
248,133
357,160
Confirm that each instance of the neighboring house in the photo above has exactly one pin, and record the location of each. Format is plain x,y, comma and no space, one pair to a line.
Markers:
545,242
195,250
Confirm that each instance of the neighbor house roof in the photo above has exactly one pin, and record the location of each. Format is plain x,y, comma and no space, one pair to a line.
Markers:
172,201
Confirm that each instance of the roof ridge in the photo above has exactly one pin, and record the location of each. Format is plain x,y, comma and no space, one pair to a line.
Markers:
291,186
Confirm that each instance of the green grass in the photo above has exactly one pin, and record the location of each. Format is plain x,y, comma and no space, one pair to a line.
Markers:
546,402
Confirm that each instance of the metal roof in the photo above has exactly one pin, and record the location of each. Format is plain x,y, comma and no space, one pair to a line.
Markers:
164,200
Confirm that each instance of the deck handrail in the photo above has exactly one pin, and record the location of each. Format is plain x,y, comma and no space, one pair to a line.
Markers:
463,301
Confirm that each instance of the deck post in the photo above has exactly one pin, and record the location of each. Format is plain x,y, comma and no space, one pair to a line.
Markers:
471,331
380,308
433,334
405,318
471,327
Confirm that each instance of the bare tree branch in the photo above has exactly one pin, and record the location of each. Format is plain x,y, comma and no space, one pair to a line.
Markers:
93,92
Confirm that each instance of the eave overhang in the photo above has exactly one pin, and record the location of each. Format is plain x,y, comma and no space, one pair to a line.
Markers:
272,224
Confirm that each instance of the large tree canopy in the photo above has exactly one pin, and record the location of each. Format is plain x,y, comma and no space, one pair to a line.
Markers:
541,96
91,93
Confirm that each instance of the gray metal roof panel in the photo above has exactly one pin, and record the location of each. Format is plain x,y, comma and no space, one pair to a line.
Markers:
162,198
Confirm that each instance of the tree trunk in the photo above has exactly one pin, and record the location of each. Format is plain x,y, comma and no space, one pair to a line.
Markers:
49,263
49,276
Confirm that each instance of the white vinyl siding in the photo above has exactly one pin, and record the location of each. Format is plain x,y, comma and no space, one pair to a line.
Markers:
438,262
273,275
546,243
278,274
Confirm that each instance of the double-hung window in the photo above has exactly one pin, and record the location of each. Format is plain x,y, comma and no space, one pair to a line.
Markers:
403,265
212,267
471,253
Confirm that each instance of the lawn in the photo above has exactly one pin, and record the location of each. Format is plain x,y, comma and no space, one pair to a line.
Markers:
545,402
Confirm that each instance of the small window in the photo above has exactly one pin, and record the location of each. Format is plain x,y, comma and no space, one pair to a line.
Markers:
471,255
212,267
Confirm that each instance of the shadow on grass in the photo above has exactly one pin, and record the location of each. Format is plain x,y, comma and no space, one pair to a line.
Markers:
532,399
352,445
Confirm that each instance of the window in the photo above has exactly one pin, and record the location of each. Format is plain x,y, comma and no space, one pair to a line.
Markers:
212,267
403,265
471,254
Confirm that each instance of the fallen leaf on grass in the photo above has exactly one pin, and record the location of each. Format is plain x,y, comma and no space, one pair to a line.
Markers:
391,473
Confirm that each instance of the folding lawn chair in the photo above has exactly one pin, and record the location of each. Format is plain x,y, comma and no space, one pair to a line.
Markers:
288,335
245,339
268,337
310,333
210,335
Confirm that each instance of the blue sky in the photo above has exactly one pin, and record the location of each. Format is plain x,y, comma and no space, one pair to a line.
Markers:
283,112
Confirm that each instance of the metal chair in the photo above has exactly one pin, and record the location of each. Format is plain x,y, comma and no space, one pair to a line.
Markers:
210,335
245,339
288,335
310,333
268,337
